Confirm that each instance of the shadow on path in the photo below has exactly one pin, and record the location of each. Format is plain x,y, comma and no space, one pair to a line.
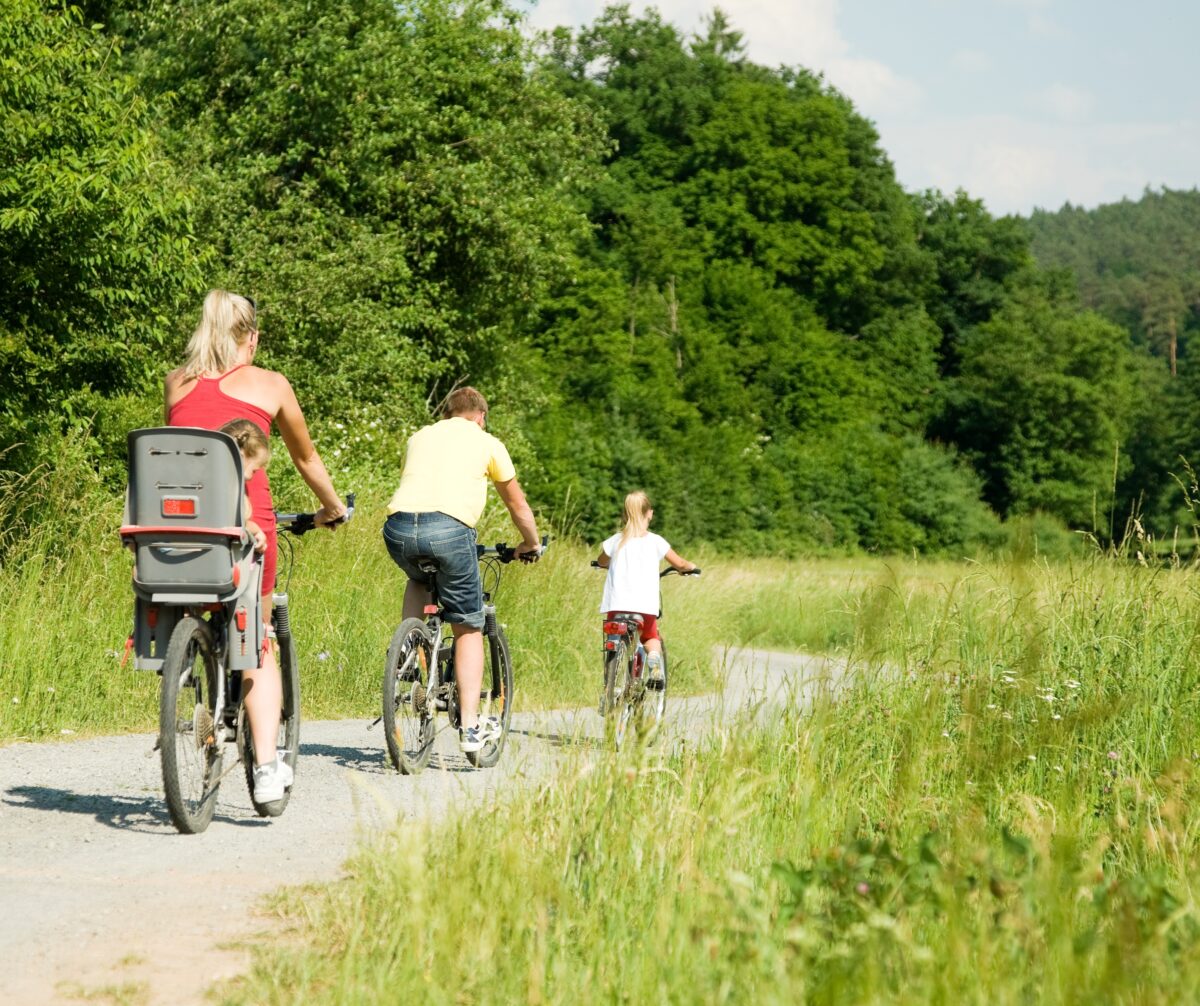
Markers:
145,814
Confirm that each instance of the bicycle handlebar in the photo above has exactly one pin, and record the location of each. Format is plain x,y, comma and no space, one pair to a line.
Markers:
665,572
302,523
505,553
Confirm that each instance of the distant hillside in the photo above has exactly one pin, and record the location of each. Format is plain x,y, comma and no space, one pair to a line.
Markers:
1138,263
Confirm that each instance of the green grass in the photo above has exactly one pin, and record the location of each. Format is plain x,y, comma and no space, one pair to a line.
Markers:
997,811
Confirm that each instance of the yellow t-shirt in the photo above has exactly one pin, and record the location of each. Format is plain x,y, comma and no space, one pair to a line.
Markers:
447,469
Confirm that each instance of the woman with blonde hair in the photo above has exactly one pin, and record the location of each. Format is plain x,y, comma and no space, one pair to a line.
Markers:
632,556
218,382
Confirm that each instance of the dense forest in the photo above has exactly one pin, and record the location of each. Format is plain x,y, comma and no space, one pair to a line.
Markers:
667,267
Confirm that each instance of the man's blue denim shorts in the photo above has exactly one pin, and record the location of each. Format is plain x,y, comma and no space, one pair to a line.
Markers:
452,543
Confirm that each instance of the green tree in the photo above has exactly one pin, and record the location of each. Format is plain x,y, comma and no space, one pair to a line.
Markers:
395,184
95,240
1041,406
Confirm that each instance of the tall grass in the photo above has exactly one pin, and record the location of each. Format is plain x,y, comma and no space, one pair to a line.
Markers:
995,810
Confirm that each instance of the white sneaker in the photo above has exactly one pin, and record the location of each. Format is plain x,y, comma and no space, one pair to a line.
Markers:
474,738
655,678
272,780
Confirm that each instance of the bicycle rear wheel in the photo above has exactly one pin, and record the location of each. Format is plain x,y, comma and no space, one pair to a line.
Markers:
618,697
408,708
288,741
495,698
187,726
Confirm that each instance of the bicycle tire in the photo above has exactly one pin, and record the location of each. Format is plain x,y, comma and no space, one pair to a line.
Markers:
629,701
187,724
495,698
288,741
612,662
408,710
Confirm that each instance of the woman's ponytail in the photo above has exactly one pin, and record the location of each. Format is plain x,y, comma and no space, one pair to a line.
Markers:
226,323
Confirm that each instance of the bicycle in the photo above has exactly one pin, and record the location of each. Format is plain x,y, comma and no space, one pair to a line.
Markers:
628,696
419,680
197,617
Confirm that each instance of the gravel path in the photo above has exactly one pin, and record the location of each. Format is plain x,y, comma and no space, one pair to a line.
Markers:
101,898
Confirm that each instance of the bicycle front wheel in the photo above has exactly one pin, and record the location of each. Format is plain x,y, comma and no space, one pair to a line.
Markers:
495,700
187,726
288,741
408,708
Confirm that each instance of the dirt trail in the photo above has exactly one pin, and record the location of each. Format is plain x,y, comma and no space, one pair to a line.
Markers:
99,894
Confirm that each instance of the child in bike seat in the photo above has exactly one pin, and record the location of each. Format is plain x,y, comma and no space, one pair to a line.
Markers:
632,558
256,452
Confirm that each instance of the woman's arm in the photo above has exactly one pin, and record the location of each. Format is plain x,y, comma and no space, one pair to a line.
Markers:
303,453
680,563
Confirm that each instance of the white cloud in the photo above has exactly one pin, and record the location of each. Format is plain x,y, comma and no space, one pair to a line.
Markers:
1015,164
971,61
776,32
1066,102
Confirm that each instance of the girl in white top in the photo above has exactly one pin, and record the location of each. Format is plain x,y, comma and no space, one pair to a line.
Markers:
632,558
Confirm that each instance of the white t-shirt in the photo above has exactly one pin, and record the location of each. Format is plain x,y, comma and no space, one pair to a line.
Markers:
632,581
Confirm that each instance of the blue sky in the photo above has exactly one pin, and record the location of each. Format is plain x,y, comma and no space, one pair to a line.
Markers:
1023,103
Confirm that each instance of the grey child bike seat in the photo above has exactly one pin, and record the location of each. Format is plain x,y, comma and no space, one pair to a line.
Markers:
184,519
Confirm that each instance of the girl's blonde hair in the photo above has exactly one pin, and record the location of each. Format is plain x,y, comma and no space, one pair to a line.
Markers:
251,440
226,323
637,516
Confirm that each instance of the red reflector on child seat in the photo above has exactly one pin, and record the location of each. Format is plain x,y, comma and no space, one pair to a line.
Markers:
431,609
240,618
179,506
609,644
615,628
237,575
152,617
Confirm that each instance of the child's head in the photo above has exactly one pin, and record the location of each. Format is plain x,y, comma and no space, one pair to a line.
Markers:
252,442
638,512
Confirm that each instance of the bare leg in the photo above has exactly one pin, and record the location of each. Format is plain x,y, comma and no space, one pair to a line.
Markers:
262,691
653,646
468,671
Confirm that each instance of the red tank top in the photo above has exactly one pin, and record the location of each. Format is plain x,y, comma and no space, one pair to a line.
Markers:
208,407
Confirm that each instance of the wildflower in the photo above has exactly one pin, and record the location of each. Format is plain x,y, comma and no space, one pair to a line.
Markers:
1049,696
1113,756
863,887
16,701
1006,714
65,732
1032,757
991,705
323,655
945,733
50,689
1058,768
1072,683
1056,717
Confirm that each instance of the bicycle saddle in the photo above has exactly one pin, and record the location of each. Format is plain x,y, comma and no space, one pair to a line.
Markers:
426,563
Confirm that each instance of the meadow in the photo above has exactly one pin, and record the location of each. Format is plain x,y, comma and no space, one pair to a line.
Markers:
995,809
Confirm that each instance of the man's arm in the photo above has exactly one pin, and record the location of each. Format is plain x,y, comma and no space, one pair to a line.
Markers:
514,498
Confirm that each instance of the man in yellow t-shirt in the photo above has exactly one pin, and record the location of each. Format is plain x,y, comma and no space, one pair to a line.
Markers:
434,511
